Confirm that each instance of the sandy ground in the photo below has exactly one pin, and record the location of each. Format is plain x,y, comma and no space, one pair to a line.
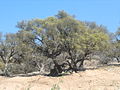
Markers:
105,78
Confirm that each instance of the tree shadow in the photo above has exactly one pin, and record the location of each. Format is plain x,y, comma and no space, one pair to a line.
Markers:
61,74
114,65
66,73
21,75
92,68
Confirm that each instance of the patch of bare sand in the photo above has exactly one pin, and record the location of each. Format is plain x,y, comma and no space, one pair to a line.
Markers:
107,78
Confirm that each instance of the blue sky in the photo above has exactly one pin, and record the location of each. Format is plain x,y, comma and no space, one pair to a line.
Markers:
106,12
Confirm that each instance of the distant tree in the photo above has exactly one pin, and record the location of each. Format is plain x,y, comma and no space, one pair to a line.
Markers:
118,35
8,49
115,48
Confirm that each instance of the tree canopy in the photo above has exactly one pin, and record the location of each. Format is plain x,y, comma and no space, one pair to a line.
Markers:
60,41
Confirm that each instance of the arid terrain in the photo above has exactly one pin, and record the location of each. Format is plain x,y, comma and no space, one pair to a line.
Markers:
104,78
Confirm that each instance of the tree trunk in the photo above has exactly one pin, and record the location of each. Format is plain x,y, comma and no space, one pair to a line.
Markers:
6,70
118,59
56,70
82,60
81,64
42,68
75,67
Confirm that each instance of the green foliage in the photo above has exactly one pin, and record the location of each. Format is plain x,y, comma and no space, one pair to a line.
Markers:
54,35
46,40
